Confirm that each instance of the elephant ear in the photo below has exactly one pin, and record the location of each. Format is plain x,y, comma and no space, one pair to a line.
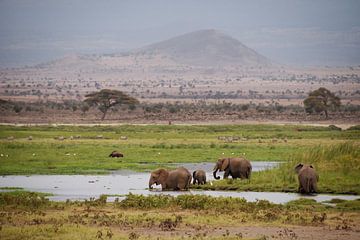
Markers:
163,175
298,167
225,164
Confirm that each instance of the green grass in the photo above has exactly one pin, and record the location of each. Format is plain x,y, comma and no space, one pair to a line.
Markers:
338,167
150,147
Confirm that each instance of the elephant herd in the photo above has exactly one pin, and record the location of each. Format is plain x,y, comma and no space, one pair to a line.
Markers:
180,178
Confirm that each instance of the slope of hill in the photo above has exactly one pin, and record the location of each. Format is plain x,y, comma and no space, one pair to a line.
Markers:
206,48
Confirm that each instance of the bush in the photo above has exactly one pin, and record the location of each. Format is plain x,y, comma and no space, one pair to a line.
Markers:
17,108
22,198
354,128
335,128
198,202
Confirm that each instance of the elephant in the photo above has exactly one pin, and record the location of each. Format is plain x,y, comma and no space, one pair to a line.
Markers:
236,167
199,176
178,179
308,178
116,154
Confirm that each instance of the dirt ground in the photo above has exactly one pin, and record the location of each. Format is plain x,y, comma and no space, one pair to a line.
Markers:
263,232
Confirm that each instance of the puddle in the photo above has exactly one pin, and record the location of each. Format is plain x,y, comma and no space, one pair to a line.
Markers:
81,187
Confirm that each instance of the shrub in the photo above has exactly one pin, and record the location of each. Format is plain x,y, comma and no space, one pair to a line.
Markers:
22,198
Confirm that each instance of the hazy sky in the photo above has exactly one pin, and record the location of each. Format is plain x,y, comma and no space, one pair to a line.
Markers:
303,32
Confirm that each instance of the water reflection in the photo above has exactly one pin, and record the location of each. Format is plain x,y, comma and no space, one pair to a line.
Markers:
81,187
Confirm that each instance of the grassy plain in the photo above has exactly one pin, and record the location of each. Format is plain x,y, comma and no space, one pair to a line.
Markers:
151,146
31,216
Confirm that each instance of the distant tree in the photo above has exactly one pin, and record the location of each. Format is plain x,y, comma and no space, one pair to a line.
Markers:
84,107
17,108
321,100
106,98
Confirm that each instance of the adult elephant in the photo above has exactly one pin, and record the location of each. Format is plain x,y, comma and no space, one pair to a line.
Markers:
235,167
199,177
308,178
178,179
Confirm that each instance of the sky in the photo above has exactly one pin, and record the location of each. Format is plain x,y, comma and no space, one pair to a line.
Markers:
293,32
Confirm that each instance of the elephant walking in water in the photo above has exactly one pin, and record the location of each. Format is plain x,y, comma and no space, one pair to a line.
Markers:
178,179
235,167
308,178
199,177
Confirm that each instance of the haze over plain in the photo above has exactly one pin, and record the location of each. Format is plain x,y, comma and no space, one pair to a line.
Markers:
324,32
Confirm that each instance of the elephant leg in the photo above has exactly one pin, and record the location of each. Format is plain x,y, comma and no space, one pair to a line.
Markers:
314,187
227,173
182,185
194,181
301,189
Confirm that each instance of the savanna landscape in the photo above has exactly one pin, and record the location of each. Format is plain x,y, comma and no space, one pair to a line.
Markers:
104,137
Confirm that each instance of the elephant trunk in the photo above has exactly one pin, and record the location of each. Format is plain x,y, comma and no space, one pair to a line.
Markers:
214,173
150,184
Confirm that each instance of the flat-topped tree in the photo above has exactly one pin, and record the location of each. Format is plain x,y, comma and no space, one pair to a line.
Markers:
106,98
321,100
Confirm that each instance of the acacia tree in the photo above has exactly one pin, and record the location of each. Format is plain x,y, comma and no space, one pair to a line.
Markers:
106,98
321,100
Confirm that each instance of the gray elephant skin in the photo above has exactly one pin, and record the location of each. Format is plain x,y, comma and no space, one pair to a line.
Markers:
199,177
307,177
235,167
178,179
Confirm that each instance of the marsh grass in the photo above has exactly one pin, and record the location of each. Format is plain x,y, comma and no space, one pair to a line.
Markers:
338,167
145,217
149,147
24,199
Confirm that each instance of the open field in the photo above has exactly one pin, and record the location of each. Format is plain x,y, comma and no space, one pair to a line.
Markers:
85,150
28,215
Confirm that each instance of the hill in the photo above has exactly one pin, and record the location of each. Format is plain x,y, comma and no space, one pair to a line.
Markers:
206,48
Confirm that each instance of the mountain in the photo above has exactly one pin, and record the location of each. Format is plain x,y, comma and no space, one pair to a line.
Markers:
205,48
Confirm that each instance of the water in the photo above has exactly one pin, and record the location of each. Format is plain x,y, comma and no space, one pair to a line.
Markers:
81,187
208,167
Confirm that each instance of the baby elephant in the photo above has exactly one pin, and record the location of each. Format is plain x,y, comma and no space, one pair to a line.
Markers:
199,177
307,178
116,154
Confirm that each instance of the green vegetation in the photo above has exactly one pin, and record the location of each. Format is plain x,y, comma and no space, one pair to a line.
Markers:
24,199
155,217
338,167
11,188
85,150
